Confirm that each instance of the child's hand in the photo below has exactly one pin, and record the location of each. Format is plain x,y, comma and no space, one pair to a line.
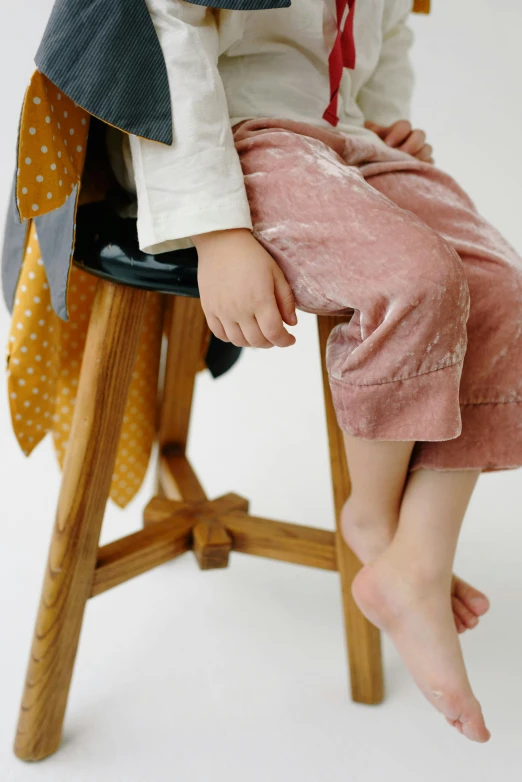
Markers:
401,136
244,293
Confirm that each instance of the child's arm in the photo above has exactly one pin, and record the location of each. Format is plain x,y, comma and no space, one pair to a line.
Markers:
196,184
386,96
385,99
195,188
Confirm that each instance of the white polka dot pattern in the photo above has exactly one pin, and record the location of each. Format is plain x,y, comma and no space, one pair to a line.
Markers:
48,167
44,356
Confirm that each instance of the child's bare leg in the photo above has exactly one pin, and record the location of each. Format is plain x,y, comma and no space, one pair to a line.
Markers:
405,592
378,471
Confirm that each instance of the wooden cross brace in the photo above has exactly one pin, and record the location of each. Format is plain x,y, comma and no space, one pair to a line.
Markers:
210,528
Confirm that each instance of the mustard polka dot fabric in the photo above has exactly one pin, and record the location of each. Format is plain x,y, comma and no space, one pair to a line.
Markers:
51,148
44,356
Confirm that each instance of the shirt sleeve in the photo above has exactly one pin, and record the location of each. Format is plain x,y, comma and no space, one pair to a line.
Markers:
386,96
196,185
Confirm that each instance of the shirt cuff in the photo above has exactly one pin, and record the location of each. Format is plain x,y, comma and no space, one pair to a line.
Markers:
171,230
180,197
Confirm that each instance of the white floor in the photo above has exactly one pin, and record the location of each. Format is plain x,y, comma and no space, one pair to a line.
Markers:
241,673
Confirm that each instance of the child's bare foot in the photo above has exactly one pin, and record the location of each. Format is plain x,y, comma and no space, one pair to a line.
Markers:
417,615
369,536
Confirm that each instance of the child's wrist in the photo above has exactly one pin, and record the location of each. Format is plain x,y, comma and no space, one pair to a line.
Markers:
218,237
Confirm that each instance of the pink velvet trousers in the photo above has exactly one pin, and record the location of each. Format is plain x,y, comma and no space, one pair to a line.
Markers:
433,350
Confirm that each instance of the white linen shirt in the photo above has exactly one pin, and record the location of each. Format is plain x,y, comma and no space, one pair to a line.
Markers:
225,66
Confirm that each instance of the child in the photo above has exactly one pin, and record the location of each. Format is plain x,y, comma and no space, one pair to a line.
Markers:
322,197
296,174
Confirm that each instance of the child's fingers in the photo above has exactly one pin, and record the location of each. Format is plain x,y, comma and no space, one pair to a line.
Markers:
397,133
425,153
235,334
284,297
216,327
380,130
271,325
254,335
414,143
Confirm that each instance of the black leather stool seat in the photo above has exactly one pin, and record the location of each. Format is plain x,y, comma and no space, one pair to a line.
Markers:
107,246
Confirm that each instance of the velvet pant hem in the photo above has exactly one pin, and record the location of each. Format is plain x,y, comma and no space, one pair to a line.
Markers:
421,407
491,440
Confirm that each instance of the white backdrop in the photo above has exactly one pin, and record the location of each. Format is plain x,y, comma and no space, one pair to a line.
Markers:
241,673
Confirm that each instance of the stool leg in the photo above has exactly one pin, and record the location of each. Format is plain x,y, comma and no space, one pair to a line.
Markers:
108,363
187,335
363,639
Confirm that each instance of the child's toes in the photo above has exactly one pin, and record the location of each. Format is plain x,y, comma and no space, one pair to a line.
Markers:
479,604
475,729
462,613
475,601
461,627
467,719
455,723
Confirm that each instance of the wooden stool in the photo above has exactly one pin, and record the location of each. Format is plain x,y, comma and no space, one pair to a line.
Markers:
181,517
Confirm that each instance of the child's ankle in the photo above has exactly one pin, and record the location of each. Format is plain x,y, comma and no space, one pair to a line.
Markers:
362,513
419,568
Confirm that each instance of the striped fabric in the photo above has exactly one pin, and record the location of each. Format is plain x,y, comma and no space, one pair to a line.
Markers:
243,5
15,238
105,55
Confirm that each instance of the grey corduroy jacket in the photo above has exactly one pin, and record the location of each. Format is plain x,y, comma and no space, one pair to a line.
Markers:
106,57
